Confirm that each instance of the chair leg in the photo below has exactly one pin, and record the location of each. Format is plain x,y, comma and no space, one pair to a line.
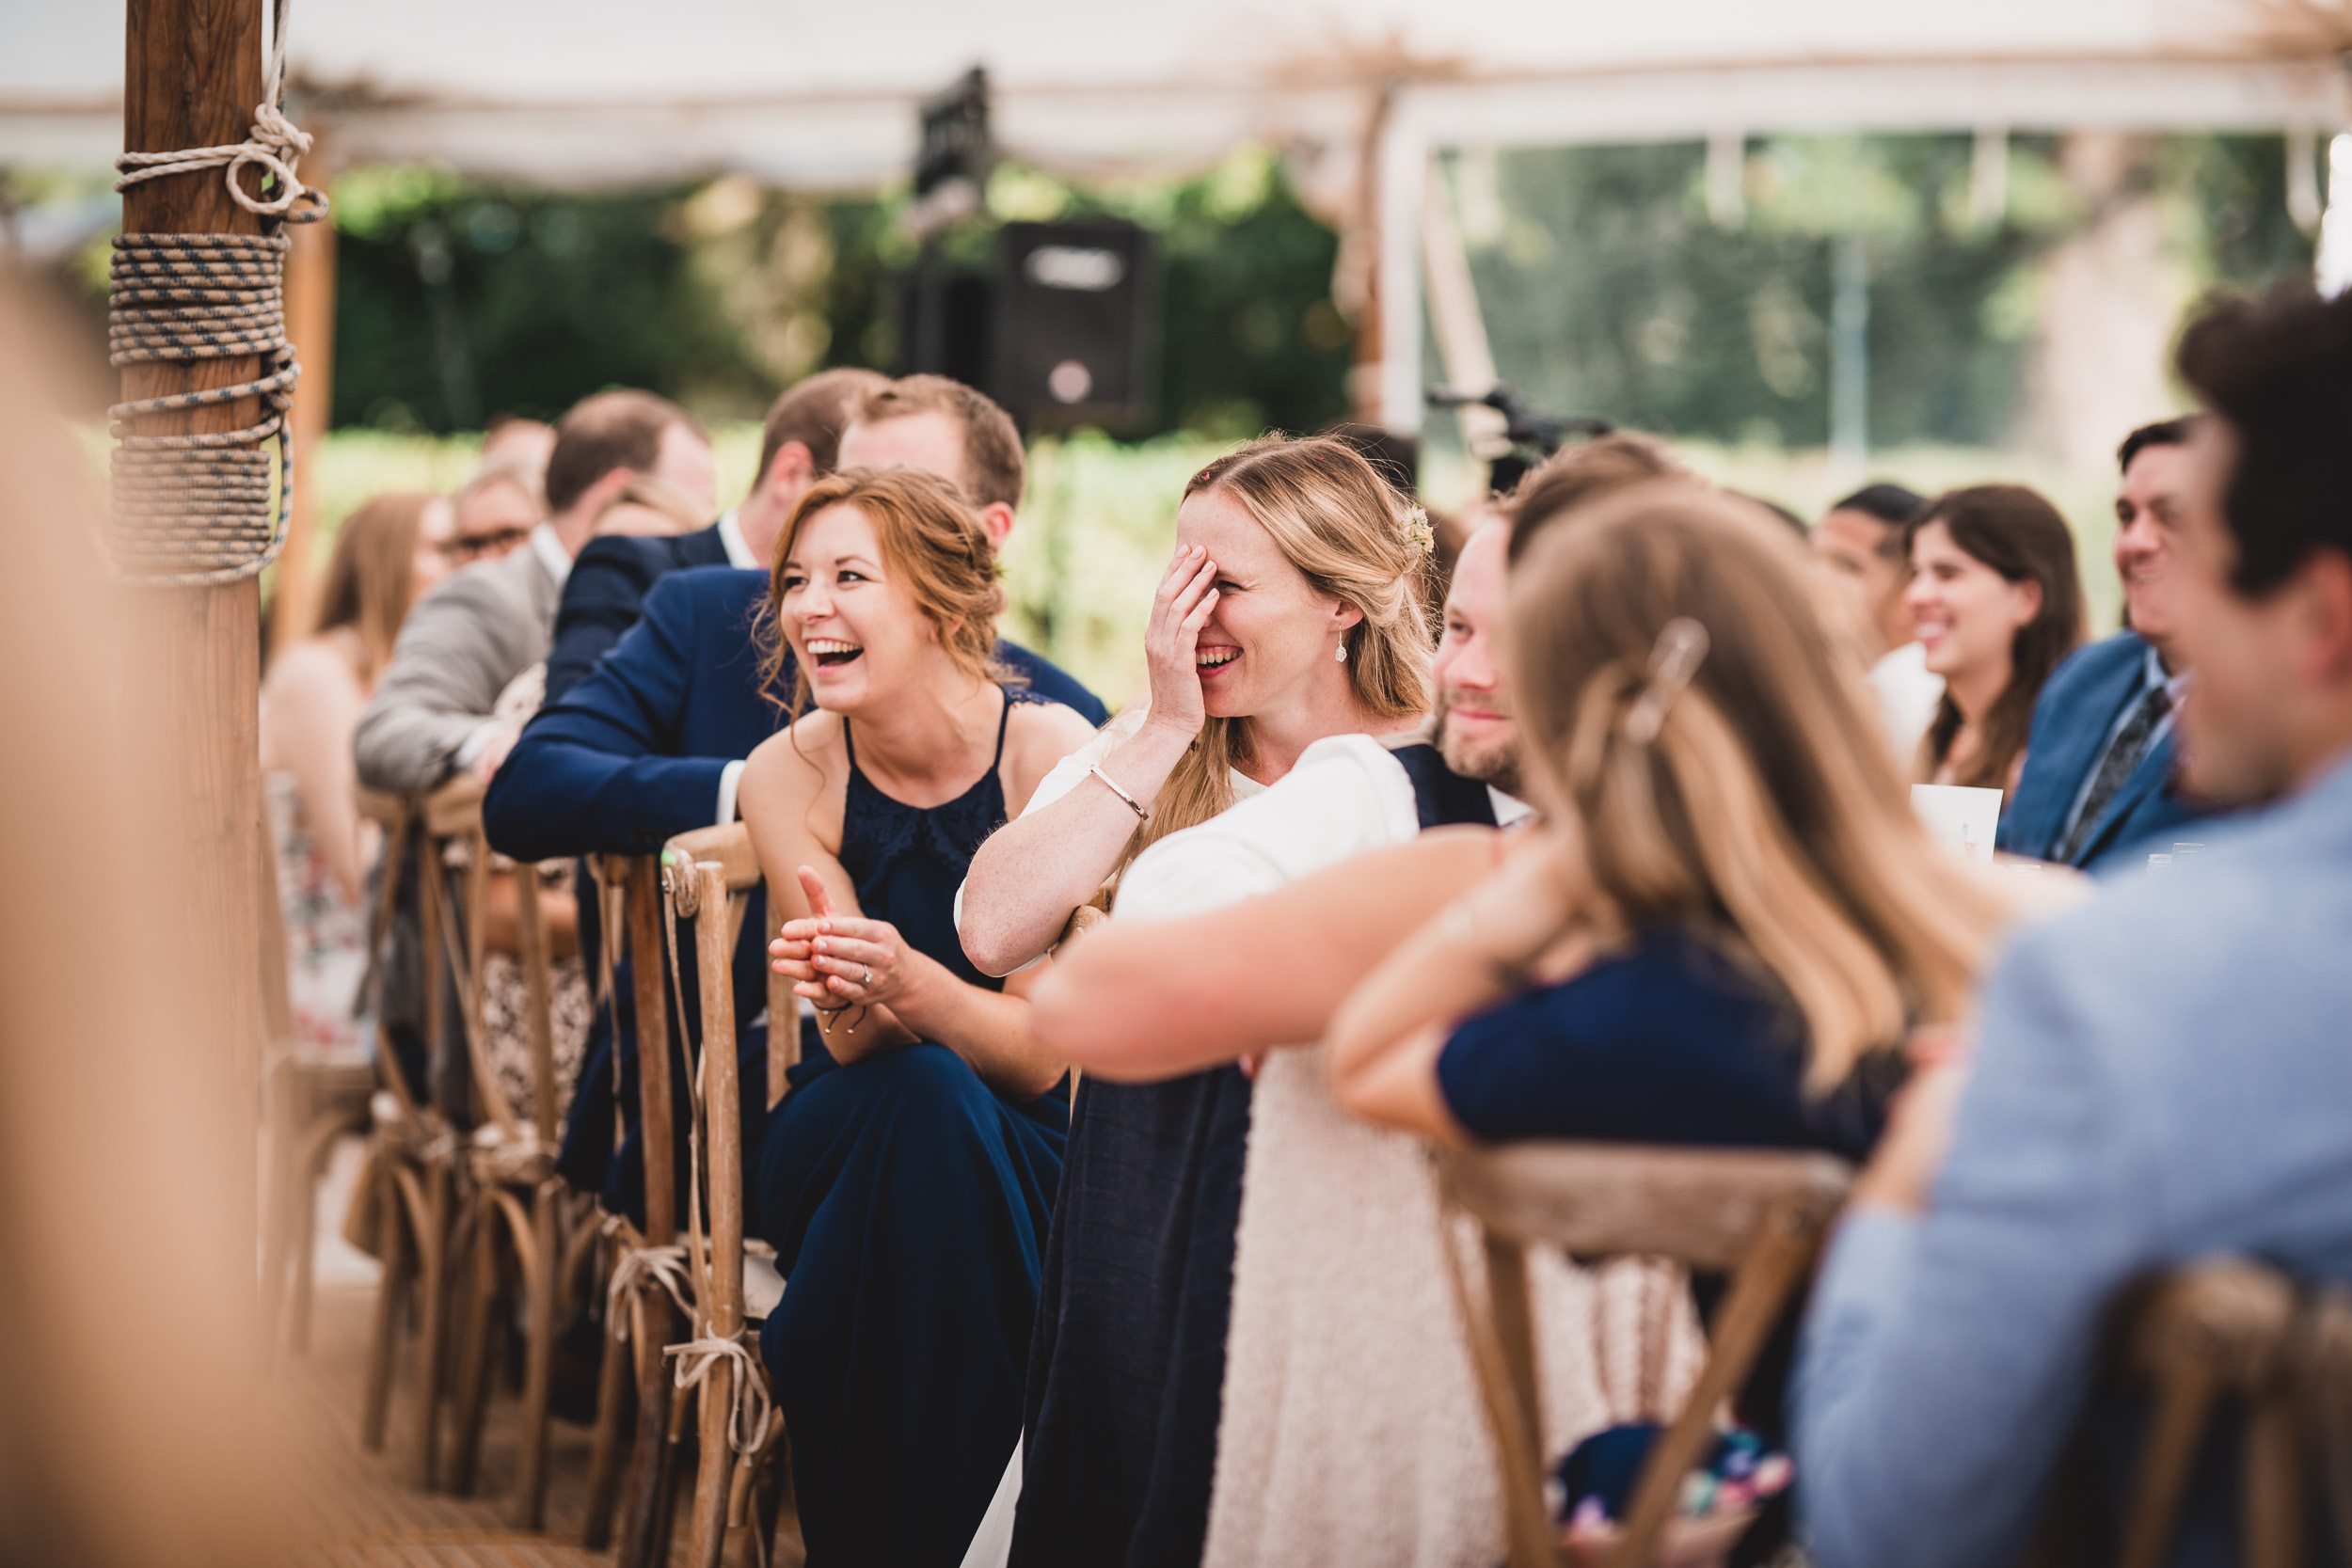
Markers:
470,1385
1785,1249
318,1145
2272,1496
432,1352
540,1280
616,1406
384,1336
645,1504
714,1469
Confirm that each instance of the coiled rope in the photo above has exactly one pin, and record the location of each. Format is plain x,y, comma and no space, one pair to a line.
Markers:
193,510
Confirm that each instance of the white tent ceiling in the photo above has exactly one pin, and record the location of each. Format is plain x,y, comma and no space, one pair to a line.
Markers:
824,96
610,90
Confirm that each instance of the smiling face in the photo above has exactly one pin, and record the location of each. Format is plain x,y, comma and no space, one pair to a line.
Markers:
1966,614
2146,512
857,635
1476,730
1271,637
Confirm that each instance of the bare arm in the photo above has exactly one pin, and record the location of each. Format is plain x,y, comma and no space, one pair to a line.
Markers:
872,989
1034,870
314,705
1479,950
1148,999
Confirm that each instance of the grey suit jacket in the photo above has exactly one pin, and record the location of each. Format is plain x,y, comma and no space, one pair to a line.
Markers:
460,647
2161,1075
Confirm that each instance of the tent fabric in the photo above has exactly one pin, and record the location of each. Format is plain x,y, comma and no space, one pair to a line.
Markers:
608,91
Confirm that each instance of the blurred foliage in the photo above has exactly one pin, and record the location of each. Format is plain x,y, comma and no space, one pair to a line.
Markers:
1608,288
461,298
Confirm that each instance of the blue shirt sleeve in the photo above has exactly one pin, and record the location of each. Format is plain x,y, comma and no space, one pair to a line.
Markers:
602,599
1945,1358
1048,680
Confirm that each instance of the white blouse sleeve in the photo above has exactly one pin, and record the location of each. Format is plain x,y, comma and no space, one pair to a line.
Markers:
1345,796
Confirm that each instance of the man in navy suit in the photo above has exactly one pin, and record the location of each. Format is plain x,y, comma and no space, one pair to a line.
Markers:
799,444
650,744
2098,789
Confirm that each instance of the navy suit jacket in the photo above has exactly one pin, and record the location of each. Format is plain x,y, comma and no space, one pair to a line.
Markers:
606,591
630,757
2077,712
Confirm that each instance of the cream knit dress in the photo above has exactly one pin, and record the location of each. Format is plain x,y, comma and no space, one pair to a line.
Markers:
1352,1431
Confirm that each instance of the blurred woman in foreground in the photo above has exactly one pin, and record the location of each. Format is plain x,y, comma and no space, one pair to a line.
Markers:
387,554
1997,603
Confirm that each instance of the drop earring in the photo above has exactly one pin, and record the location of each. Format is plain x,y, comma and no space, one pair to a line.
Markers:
1339,652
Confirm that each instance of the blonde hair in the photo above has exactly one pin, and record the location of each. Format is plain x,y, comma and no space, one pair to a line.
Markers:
371,579
1336,521
1755,804
936,550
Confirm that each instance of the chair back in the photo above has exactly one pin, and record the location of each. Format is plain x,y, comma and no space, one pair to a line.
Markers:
1762,1215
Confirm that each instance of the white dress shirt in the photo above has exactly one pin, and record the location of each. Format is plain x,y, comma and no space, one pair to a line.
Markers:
1908,692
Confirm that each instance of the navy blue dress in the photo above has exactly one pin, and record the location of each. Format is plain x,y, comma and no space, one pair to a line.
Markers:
1668,1042
908,1205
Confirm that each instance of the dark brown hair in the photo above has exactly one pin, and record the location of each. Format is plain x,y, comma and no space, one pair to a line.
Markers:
2017,533
1580,475
371,579
2280,371
815,413
609,431
994,465
933,544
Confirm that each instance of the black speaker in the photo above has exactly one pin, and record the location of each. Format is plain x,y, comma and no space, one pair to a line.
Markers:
1075,335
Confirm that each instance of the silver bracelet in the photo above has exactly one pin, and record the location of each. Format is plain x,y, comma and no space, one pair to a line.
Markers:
1112,785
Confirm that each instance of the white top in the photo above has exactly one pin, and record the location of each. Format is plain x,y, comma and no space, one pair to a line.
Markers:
1346,795
1908,692
739,551
551,553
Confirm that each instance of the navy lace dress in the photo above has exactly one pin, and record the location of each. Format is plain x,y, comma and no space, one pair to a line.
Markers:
908,1204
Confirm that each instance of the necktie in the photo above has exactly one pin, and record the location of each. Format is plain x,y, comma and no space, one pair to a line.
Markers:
2130,744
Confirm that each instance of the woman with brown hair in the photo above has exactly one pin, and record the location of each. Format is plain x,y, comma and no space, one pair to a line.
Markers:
387,554
907,1179
1997,604
1729,925
1290,615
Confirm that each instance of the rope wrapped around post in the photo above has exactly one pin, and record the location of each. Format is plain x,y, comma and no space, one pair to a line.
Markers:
195,509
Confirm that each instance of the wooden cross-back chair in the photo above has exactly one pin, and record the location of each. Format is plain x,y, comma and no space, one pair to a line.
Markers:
413,1144
739,1431
516,1202
1760,1215
2223,1332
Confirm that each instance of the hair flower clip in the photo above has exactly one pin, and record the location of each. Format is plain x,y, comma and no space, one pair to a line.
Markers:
1417,533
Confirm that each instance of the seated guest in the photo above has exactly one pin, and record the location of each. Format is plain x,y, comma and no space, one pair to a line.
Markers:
2098,785
1860,541
646,509
2160,1076
799,444
1290,613
432,712
652,743
388,551
1730,920
435,708
1997,604
496,509
907,1181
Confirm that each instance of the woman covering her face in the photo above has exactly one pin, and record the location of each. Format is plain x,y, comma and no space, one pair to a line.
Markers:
907,1179
1289,615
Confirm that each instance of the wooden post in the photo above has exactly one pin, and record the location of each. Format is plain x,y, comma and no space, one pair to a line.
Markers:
192,78
310,323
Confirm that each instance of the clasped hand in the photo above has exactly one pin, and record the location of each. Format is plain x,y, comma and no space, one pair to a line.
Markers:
838,960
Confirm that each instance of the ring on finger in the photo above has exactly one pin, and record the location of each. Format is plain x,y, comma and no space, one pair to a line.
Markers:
869,978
